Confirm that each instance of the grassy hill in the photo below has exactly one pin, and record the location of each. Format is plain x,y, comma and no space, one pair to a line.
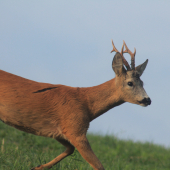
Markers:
22,151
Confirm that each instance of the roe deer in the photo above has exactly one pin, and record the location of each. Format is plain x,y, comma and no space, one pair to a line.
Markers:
64,113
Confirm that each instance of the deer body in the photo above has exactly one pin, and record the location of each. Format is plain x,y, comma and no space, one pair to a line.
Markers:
63,112
41,108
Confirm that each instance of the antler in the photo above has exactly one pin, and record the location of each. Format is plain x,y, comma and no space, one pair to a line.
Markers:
114,48
131,54
124,60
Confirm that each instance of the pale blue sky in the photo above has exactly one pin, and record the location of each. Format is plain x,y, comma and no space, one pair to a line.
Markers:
69,42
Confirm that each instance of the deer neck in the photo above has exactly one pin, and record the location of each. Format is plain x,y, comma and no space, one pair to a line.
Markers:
103,97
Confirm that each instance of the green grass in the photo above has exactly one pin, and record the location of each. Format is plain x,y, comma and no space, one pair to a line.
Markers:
22,151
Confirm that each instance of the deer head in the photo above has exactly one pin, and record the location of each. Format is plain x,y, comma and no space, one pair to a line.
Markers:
131,86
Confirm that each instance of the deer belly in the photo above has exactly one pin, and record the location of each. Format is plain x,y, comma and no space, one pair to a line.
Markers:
32,123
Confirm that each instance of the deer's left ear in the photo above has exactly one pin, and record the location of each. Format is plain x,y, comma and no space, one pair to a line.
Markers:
117,64
140,69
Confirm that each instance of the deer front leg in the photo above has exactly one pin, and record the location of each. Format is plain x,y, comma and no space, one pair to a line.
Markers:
68,151
84,148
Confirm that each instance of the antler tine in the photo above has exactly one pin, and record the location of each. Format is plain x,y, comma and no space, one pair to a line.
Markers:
131,54
124,60
114,48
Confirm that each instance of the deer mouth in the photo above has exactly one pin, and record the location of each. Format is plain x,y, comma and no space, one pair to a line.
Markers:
145,102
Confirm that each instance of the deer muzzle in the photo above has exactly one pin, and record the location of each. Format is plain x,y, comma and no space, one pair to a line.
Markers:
145,101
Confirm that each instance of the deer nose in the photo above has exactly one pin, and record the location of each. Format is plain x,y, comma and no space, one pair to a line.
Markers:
146,101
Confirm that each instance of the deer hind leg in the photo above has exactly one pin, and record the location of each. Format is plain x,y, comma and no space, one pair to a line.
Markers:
67,152
84,148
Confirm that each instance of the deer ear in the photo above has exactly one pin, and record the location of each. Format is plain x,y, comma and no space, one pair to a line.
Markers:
140,69
117,64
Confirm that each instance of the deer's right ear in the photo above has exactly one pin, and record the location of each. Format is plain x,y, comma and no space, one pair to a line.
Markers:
117,64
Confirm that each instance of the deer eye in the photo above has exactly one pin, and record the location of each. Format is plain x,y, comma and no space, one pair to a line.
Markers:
130,83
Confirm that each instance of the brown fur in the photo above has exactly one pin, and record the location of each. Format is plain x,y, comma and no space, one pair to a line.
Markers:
62,112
